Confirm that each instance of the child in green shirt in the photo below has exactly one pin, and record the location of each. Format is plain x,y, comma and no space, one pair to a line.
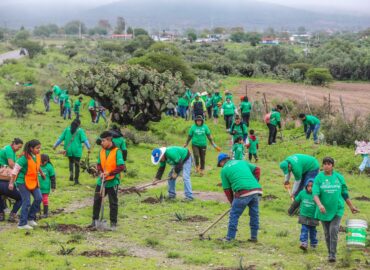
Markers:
48,183
307,210
253,146
238,149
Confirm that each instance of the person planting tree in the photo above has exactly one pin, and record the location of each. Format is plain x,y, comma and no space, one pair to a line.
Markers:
56,93
7,162
25,176
303,167
47,183
110,164
73,137
46,99
240,182
330,192
198,134
181,161
311,124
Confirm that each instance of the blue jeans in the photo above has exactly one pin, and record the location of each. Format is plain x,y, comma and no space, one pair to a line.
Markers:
299,185
315,130
28,213
311,232
182,111
237,208
365,163
101,114
67,111
186,170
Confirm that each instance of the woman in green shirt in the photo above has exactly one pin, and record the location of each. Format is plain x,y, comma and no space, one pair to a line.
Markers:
73,137
330,192
198,134
245,108
7,162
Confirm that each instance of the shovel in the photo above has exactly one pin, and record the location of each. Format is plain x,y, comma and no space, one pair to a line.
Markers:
101,224
201,235
138,189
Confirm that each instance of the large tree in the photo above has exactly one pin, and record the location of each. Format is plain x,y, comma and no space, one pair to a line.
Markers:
120,26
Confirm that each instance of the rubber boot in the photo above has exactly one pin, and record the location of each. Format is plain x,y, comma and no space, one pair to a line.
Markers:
71,177
46,211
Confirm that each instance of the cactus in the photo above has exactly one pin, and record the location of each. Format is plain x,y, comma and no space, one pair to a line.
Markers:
133,94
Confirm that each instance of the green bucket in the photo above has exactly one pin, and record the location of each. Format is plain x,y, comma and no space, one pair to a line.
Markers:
356,232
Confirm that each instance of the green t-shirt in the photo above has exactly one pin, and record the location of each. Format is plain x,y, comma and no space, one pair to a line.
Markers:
67,102
311,120
229,108
5,154
253,146
63,96
76,106
120,142
45,184
91,104
241,130
275,118
116,180
245,107
216,99
216,110
183,101
330,190
238,175
23,163
208,102
75,146
302,164
199,134
56,90
174,155
307,204
238,151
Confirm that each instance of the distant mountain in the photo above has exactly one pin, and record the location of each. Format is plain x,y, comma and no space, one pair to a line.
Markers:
162,14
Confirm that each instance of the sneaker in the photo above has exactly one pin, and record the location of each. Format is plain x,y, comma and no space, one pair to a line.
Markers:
332,259
12,217
25,227
187,199
224,240
303,247
253,240
92,224
313,246
113,227
32,223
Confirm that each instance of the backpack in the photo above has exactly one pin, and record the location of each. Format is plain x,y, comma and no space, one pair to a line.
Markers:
267,118
198,107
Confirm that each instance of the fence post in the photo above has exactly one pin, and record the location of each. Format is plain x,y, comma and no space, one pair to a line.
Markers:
342,105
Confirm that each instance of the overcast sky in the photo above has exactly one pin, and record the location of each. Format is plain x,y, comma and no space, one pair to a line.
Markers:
362,6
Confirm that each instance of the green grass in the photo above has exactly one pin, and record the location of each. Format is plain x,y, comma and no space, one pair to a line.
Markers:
148,236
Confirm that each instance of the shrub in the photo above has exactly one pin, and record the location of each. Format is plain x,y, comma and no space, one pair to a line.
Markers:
246,70
33,48
302,67
295,75
319,76
18,100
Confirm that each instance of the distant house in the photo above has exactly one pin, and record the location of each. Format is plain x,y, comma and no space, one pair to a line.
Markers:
122,36
270,41
300,39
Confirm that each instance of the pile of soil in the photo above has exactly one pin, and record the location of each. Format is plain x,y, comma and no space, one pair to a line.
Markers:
269,197
67,228
363,198
151,200
97,253
342,228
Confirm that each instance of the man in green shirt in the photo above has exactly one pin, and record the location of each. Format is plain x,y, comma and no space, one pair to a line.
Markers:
228,109
180,160
182,106
110,165
240,182
239,129
198,134
62,98
330,192
273,123
311,124
245,108
77,106
67,107
303,167
198,106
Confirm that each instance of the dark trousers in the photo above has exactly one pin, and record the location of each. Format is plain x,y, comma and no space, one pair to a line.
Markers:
77,115
209,111
331,229
228,120
74,161
61,105
113,203
199,153
13,194
46,104
93,115
308,232
250,156
272,134
245,117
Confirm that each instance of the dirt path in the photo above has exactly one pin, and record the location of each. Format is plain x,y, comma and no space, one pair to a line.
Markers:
356,96
10,55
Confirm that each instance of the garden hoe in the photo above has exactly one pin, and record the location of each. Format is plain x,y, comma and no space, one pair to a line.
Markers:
201,235
138,189
101,224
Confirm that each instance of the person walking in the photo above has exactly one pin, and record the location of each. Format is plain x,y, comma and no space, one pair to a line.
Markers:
245,109
239,129
209,105
253,146
46,99
240,182
67,108
198,106
228,110
47,184
77,107
92,110
330,192
73,137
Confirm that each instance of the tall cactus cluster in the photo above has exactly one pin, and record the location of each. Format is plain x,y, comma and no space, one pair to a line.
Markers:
133,94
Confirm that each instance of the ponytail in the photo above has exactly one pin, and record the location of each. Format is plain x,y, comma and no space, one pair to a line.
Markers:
27,150
74,126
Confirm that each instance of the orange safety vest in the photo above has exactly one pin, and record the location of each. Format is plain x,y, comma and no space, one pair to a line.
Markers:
109,163
31,177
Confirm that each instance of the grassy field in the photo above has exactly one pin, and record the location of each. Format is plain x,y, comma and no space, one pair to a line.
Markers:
150,236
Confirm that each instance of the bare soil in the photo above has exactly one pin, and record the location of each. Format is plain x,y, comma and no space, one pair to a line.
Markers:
151,200
356,96
67,228
101,253
196,218
208,196
269,197
250,267
362,198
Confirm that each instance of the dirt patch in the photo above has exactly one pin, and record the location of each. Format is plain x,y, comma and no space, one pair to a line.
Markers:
57,211
269,197
196,218
363,198
250,267
151,200
353,94
97,253
208,196
342,229
66,228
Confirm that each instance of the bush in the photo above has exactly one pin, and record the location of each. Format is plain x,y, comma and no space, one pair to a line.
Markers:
295,75
319,76
246,70
18,100
33,48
